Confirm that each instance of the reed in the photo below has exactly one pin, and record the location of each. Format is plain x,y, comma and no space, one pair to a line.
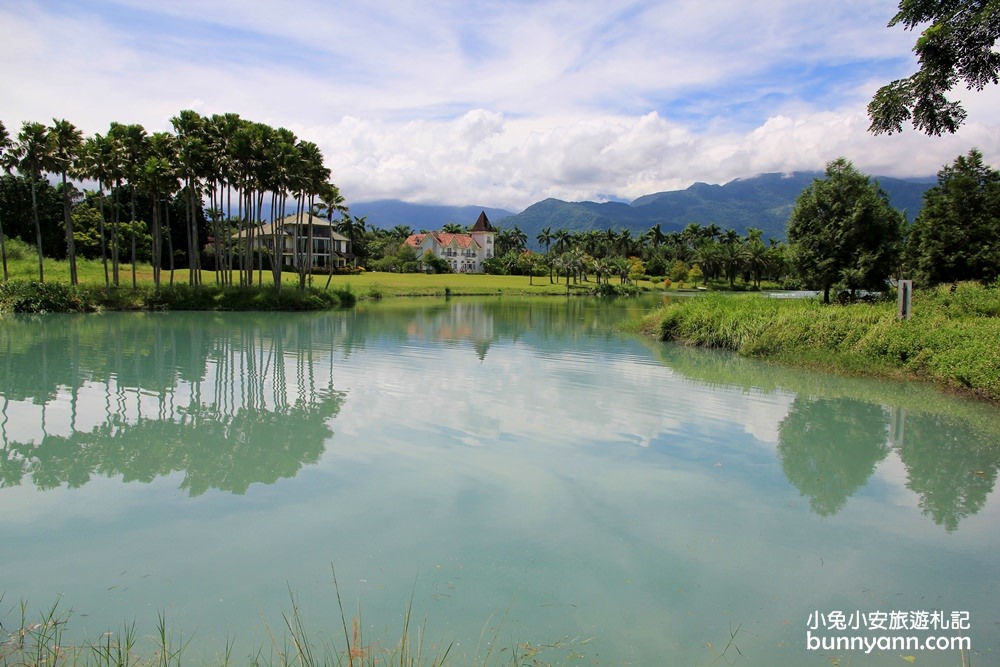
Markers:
43,644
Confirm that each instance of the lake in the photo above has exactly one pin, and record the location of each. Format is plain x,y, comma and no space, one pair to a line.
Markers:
516,471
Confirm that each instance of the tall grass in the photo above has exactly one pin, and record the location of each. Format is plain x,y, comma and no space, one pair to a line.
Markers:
43,643
953,338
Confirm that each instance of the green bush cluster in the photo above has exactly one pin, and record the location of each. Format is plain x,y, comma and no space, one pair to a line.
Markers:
35,297
609,289
953,337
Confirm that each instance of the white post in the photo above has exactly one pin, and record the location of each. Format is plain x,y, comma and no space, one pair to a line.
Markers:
904,305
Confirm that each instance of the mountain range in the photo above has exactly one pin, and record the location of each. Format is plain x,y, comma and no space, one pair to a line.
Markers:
764,201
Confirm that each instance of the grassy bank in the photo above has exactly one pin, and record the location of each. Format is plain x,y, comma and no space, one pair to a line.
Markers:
364,285
53,297
952,340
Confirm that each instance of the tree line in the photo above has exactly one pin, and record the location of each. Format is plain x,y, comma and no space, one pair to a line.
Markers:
843,235
235,165
201,192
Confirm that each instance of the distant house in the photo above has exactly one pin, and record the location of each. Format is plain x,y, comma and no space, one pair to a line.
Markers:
465,253
331,249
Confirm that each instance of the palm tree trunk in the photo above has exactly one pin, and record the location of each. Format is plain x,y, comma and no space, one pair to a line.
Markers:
70,243
309,248
135,284
3,252
157,241
114,233
260,237
195,250
38,231
104,244
170,240
299,260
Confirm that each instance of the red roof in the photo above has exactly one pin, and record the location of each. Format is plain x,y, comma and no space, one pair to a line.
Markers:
444,239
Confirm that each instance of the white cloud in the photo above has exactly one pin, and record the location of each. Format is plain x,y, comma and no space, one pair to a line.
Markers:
493,103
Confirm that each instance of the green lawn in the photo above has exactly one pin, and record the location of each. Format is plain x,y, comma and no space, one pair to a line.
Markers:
364,285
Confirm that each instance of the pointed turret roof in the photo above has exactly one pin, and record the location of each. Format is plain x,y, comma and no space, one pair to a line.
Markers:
482,224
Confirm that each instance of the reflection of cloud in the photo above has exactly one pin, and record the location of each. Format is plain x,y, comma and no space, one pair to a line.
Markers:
559,397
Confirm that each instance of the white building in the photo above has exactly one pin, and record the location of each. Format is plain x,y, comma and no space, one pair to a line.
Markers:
464,253
330,248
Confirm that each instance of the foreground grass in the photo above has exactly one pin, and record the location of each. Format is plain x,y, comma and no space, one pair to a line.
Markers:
44,643
952,340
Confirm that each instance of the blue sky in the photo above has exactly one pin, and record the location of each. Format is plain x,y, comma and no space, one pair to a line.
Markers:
498,103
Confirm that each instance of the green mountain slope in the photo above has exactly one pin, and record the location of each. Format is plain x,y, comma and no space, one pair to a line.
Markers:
764,202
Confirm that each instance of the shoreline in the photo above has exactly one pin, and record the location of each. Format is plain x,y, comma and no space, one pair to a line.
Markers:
952,341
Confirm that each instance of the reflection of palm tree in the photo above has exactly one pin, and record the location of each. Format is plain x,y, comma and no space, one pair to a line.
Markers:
215,441
829,448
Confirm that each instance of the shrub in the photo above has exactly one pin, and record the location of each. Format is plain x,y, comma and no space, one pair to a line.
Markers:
19,296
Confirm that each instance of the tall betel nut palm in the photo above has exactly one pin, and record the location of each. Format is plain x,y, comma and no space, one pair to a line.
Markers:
5,163
32,156
65,143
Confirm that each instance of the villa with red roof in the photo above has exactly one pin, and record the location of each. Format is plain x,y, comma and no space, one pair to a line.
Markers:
464,253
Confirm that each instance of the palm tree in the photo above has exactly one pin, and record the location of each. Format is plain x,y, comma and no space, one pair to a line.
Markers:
545,238
520,239
65,142
655,236
353,228
282,157
189,126
133,146
32,158
5,147
562,238
708,257
624,242
603,268
401,232
453,228
95,163
731,258
159,177
331,201
756,258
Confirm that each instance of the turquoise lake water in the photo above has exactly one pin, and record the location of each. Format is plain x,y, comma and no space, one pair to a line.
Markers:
521,471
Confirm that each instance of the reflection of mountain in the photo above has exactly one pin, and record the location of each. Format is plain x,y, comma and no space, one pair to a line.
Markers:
839,429
227,401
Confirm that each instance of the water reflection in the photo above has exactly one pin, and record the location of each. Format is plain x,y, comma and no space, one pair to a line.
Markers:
838,430
518,458
237,399
228,402
830,447
951,467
